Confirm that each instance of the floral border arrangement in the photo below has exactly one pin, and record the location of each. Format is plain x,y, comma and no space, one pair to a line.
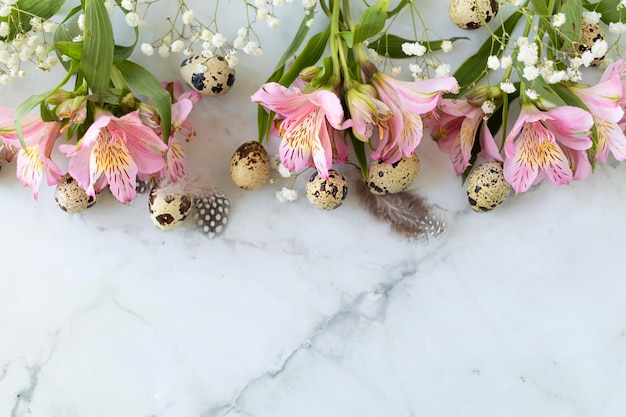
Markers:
326,109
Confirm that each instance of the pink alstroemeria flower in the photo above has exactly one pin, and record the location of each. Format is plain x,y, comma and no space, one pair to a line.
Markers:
408,101
366,111
113,151
308,124
33,159
455,133
545,144
182,130
604,103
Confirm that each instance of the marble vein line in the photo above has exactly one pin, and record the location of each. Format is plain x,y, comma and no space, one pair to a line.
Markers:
381,291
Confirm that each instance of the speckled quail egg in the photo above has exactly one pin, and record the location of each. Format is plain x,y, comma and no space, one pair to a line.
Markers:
168,211
208,76
470,14
327,194
250,166
486,187
70,198
590,33
386,178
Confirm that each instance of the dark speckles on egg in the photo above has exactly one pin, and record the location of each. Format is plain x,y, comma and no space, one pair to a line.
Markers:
209,76
327,194
471,14
250,166
70,198
486,187
391,178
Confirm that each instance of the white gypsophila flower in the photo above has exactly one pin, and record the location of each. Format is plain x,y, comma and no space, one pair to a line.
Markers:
493,63
132,19
309,23
262,13
374,56
395,71
283,171
506,61
127,5
250,48
188,17
35,23
206,35
556,77
21,73
521,41
239,42
599,48
531,94
528,54
207,53
307,4
4,29
446,46
177,45
574,74
164,51
5,10
587,58
188,51
592,18
110,6
443,70
413,48
218,40
558,20
278,3
273,22
242,32
48,26
530,72
259,52
81,22
287,195
51,61
576,62
617,28
65,58
517,3
232,60
260,3
10,2
623,3
415,69
147,49
507,87
488,107
5,79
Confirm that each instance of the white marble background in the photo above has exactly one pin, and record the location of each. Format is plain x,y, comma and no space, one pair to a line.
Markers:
296,312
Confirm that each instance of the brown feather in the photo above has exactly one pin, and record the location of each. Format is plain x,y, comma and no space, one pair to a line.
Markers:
407,213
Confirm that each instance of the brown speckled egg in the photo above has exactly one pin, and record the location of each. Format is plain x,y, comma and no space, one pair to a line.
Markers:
208,76
168,211
470,14
250,166
486,187
327,194
385,178
70,198
589,34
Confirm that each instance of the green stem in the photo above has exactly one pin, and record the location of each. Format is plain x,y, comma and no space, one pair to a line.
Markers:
334,41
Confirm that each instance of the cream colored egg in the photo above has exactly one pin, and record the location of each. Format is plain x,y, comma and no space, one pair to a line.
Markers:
208,76
590,33
250,166
70,198
470,14
486,187
386,178
327,194
168,211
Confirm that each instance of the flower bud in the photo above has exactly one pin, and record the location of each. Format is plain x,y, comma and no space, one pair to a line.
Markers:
481,94
73,109
309,73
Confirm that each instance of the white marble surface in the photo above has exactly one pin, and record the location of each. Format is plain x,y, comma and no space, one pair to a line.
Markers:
297,312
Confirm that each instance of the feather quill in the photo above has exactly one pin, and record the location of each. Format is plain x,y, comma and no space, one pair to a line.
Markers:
407,213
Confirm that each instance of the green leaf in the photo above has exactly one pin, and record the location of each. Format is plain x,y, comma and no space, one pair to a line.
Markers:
391,45
372,21
571,28
24,10
74,50
33,101
98,46
611,12
293,47
307,57
541,6
325,74
348,38
61,35
359,151
47,115
473,69
141,81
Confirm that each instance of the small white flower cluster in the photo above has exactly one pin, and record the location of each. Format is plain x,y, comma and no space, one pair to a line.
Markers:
419,50
21,47
285,194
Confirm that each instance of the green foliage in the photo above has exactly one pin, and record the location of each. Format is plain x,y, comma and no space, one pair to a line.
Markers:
98,46
391,45
372,21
